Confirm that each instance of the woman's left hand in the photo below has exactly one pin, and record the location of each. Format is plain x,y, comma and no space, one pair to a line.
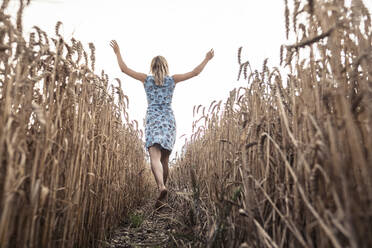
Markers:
210,54
115,46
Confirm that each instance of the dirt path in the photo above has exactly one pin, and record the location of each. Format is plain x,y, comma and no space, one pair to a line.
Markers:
147,227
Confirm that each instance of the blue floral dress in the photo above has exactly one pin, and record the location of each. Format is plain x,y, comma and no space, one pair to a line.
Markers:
160,125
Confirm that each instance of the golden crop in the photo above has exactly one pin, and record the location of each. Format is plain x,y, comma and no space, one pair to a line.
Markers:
69,166
286,161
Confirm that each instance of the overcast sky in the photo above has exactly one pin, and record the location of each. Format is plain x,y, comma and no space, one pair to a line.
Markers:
180,30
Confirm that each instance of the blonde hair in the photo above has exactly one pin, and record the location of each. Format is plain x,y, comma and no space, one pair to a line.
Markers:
159,68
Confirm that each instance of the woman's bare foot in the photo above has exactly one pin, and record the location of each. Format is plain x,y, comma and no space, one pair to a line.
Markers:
160,202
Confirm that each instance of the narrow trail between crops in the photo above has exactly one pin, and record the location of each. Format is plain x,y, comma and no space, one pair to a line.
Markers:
147,227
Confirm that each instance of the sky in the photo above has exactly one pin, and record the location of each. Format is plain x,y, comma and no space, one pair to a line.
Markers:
180,30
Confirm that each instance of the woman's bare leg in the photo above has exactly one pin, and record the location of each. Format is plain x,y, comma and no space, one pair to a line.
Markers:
164,161
156,167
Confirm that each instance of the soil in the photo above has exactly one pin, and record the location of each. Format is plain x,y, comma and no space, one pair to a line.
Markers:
150,227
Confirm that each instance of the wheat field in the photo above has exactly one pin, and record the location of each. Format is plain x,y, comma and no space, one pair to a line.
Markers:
72,163
284,162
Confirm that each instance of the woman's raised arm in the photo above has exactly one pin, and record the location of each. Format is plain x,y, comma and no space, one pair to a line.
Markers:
123,67
182,77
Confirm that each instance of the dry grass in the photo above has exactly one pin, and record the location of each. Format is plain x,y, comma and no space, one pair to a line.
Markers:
286,161
70,168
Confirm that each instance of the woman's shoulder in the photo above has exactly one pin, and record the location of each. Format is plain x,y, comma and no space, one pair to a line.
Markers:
149,78
169,77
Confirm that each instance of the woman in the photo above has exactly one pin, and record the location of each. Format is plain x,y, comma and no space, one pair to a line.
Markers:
160,129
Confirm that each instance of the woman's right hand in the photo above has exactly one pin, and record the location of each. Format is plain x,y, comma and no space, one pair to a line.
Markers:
210,54
115,46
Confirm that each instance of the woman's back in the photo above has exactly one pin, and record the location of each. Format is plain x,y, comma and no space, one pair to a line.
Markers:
159,95
160,123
